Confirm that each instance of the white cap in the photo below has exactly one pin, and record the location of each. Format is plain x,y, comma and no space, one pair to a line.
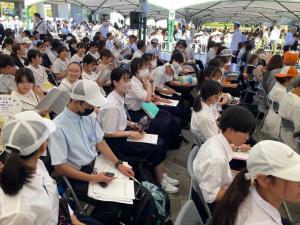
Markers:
26,132
88,91
154,40
237,22
273,158
226,52
26,40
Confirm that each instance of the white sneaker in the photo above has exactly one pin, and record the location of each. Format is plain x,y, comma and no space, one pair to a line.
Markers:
169,188
170,180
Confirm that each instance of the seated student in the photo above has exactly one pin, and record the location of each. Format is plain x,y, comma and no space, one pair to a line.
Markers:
73,75
141,49
75,145
78,57
253,72
41,47
272,176
27,93
163,124
211,165
104,68
60,65
152,48
88,71
40,75
151,61
274,66
204,118
289,108
93,50
53,54
113,120
28,194
7,74
7,46
18,55
283,79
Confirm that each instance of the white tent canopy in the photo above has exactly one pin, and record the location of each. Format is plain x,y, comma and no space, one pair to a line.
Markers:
246,11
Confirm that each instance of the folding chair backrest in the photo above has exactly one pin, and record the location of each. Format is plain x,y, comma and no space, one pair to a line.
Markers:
191,158
188,215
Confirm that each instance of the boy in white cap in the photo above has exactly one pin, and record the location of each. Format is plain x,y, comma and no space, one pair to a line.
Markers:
254,197
28,195
76,143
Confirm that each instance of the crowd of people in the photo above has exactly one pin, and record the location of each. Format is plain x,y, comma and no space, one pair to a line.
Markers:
109,75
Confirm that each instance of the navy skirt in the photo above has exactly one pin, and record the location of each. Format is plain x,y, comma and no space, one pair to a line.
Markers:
133,152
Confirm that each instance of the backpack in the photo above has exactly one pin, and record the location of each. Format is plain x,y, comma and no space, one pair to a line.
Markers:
144,209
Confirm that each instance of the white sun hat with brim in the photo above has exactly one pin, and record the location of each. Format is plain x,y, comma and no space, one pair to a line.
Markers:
26,132
88,91
273,158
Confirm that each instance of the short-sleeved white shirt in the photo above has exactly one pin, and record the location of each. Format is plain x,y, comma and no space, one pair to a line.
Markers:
60,66
7,83
211,166
136,95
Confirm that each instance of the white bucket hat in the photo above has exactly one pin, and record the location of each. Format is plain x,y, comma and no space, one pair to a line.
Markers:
273,158
88,91
26,132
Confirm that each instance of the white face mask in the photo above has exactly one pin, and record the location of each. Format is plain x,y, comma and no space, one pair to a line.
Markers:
144,73
153,64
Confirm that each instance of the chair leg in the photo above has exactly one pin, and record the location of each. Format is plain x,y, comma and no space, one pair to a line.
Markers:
287,212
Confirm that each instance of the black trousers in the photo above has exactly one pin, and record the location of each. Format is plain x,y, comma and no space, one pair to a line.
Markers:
108,213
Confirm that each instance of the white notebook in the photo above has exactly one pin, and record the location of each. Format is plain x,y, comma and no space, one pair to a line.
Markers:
148,138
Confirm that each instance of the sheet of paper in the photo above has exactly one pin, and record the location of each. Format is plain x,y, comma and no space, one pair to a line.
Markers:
54,101
148,138
119,190
173,103
241,155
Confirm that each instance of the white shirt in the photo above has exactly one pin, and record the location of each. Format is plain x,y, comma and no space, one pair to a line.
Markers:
29,101
289,108
40,74
35,204
203,123
236,39
160,77
277,92
210,55
40,26
112,116
96,55
60,66
275,35
76,58
109,44
66,85
52,56
136,95
211,166
152,51
256,211
289,39
7,83
137,54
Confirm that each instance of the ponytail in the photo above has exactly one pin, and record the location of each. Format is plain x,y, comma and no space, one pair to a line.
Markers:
13,175
227,209
197,106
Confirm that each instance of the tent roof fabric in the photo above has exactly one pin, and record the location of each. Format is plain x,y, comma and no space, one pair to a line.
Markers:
246,11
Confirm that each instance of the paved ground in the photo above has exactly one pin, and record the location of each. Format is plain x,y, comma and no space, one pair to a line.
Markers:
176,167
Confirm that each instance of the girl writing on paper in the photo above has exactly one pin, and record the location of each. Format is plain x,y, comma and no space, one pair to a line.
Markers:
141,91
114,122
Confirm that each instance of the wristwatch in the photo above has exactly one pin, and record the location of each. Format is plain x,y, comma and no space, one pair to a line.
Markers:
120,162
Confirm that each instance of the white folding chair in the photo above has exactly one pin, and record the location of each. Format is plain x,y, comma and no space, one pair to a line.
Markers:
188,215
194,182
